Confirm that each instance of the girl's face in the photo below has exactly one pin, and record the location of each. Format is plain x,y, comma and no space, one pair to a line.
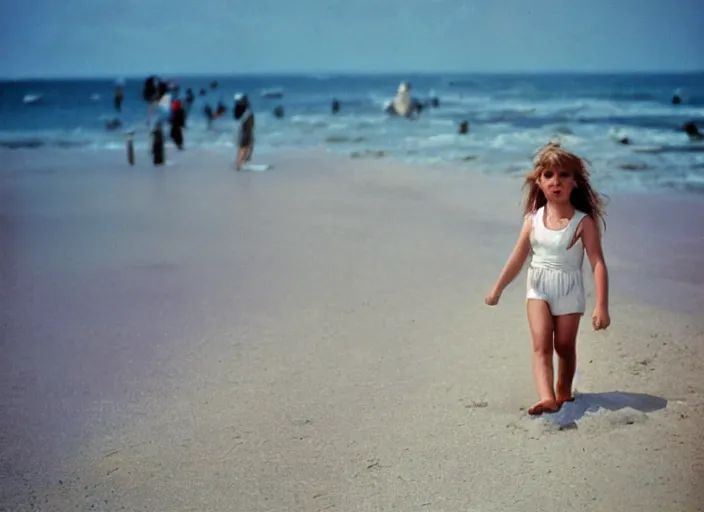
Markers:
557,185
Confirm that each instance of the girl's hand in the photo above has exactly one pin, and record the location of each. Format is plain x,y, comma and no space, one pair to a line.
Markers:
600,318
493,298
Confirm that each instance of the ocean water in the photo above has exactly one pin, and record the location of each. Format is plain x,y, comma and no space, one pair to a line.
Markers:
509,117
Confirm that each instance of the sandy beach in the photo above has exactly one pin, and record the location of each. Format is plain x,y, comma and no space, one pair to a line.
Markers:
314,337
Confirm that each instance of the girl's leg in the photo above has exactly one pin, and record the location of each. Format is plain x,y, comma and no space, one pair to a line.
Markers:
566,327
540,321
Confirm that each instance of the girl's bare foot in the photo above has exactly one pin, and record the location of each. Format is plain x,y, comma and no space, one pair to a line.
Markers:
561,399
563,392
542,407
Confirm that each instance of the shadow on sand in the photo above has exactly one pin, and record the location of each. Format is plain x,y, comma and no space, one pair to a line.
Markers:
571,412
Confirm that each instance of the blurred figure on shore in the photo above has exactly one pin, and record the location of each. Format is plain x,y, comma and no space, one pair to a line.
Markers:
155,93
245,136
178,123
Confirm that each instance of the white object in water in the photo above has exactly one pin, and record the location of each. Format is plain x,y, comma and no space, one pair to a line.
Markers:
615,133
95,97
402,102
30,99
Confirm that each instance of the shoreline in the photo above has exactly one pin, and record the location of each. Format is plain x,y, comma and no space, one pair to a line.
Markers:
459,164
315,336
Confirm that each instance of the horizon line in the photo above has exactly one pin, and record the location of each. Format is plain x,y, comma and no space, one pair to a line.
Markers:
215,74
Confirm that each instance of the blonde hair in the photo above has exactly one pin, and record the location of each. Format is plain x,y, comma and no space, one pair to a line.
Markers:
552,157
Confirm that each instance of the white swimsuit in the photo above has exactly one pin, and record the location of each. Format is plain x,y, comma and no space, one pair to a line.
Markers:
555,272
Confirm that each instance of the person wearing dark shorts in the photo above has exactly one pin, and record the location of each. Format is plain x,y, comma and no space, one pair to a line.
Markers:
245,136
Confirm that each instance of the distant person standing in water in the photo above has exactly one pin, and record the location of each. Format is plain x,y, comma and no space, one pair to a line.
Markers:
245,136
119,96
190,98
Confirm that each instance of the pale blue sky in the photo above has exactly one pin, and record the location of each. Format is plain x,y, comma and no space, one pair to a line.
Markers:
134,37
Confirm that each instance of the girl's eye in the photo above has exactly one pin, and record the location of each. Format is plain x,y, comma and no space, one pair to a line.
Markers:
562,175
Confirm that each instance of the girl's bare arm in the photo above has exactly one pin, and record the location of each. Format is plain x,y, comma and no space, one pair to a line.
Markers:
516,260
592,245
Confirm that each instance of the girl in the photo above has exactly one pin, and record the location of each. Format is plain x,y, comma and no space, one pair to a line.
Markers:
562,213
